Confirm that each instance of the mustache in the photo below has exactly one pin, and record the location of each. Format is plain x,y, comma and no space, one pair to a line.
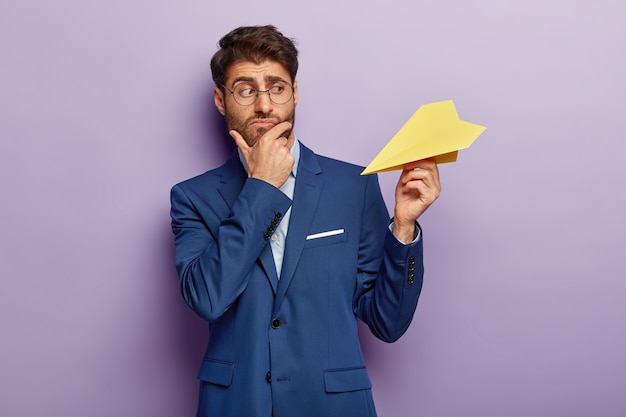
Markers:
262,116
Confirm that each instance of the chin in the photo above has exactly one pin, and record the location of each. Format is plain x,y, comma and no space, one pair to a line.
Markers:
253,137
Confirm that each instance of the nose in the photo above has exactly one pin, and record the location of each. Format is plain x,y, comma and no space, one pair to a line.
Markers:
263,102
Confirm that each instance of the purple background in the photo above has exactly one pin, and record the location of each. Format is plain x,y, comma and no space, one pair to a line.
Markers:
105,105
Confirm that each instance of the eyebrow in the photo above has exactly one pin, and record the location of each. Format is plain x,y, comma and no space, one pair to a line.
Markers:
268,78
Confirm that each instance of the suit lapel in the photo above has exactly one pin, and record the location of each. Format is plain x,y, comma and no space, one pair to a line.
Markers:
232,180
266,259
309,184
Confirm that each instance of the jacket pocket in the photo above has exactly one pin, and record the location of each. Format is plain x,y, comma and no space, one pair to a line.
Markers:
312,241
347,379
217,372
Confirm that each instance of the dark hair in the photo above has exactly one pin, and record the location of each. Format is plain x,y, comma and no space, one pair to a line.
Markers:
255,44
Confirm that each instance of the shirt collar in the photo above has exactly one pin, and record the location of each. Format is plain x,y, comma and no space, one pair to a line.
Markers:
295,152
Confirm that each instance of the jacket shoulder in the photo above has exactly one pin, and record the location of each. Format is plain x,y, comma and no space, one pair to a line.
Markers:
335,164
332,165
211,176
208,178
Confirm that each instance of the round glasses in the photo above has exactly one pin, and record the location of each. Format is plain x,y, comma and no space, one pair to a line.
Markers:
279,92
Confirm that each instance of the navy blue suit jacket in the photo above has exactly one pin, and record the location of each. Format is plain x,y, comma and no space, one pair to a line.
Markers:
290,346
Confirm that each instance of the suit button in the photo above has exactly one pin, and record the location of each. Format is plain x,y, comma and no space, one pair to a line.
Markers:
268,377
278,215
275,324
411,278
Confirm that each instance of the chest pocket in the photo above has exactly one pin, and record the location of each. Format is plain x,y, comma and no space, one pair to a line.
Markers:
331,237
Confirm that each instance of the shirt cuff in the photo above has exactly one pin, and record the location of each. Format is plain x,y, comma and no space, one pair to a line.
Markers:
418,233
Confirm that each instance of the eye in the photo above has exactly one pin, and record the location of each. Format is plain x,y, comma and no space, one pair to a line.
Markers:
277,88
246,91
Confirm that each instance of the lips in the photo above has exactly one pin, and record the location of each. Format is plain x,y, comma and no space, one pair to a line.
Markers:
267,123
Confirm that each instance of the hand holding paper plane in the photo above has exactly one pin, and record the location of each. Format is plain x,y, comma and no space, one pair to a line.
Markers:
434,130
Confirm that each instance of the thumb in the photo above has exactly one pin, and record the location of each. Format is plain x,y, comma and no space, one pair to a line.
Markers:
239,140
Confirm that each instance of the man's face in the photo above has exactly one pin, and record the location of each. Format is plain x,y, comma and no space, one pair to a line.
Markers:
254,120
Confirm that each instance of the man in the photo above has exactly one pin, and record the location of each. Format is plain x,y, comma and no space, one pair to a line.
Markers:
280,250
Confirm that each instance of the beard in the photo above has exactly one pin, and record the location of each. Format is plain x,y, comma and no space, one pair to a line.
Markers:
252,134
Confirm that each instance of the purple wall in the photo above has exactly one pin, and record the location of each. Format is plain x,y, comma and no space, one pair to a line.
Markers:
105,105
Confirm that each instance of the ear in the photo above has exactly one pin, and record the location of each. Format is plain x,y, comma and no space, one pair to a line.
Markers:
295,92
218,98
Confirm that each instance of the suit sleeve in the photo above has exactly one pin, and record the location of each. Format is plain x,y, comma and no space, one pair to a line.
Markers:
215,255
387,289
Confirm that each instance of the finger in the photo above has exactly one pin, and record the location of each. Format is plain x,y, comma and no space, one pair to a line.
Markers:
414,179
427,181
239,140
424,186
425,169
281,130
418,191
414,174
427,163
283,127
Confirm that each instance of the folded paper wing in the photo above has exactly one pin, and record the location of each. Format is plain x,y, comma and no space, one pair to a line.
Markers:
434,130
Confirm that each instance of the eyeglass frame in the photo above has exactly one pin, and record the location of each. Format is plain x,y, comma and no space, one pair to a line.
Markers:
256,96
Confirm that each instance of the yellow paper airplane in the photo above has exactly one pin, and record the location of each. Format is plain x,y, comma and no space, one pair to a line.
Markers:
434,130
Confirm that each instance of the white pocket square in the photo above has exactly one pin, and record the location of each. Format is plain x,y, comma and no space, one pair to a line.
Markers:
325,234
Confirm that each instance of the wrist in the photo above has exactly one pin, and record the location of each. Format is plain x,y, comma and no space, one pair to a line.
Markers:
404,232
